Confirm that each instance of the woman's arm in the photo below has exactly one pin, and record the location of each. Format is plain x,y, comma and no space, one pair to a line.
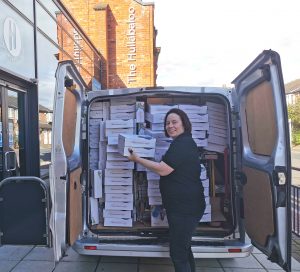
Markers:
160,168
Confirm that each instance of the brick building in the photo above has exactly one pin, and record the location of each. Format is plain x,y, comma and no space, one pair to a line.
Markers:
123,31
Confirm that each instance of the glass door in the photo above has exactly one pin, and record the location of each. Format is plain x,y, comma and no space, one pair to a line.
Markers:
12,132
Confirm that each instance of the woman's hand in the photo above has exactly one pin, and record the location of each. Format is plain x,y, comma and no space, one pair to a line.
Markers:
133,156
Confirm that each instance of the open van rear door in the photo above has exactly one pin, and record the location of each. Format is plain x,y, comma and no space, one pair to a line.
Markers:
66,166
264,162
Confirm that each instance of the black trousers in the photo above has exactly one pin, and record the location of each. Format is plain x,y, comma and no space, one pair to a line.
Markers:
181,229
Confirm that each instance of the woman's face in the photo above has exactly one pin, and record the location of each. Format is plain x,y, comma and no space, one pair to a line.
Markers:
174,126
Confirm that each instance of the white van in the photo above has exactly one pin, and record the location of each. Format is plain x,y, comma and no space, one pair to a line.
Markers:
248,167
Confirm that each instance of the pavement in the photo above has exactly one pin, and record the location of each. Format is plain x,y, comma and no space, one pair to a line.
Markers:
40,259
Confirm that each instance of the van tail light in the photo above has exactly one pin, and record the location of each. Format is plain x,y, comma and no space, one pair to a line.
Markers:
234,250
90,247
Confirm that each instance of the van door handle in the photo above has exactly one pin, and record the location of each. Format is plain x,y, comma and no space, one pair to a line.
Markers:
14,164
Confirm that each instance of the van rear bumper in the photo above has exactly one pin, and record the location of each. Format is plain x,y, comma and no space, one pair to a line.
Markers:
161,251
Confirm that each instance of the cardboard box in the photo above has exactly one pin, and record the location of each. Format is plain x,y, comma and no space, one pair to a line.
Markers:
117,131
118,189
140,168
163,144
122,108
206,218
159,152
155,117
217,123
118,222
215,147
187,108
205,183
112,149
118,197
153,192
96,114
117,181
199,134
217,139
153,176
158,108
97,181
126,140
118,173
156,127
95,122
120,123
114,157
201,142
140,151
200,126
94,208
112,140
155,200
156,134
153,184
123,115
198,118
116,214
119,205
217,115
217,131
216,107
120,164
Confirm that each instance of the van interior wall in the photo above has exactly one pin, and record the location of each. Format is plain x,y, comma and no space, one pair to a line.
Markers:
216,164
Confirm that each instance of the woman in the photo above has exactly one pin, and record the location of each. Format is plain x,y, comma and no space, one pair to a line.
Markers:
180,186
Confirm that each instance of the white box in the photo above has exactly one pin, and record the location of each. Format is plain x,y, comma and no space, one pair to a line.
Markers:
123,115
207,208
95,122
159,152
198,118
153,192
203,174
119,164
217,131
153,176
120,123
153,184
112,140
217,123
158,217
96,114
199,134
217,140
114,157
117,131
116,214
200,126
140,167
156,127
155,134
215,147
215,107
118,189
112,149
140,151
97,183
155,200
117,181
206,191
163,143
94,211
201,142
187,108
217,115
122,108
118,222
155,117
136,141
119,205
118,197
118,173
158,108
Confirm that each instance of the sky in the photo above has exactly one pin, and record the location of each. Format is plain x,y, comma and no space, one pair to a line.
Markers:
209,42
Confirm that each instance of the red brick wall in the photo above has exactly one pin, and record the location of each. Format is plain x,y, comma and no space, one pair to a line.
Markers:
119,28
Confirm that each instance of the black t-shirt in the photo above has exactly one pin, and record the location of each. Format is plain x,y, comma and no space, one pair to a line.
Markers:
182,190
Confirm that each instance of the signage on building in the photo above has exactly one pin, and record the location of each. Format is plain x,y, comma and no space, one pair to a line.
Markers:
77,47
131,45
12,37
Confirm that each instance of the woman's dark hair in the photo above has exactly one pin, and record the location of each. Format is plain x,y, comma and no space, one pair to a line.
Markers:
184,119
